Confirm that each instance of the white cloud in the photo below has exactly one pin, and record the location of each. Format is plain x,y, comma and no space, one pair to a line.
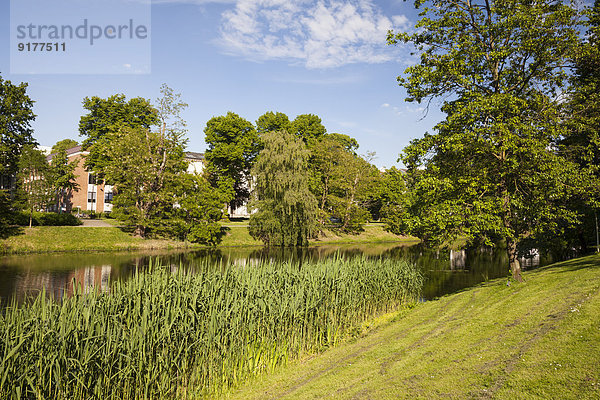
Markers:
315,33
200,2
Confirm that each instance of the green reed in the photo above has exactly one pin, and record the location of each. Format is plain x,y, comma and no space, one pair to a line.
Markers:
184,334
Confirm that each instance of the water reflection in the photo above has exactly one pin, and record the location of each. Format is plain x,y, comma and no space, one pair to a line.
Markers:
446,271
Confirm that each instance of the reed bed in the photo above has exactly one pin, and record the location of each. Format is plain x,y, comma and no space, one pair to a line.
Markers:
180,334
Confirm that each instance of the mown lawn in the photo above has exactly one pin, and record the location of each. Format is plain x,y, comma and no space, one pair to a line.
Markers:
372,233
78,238
536,340
81,238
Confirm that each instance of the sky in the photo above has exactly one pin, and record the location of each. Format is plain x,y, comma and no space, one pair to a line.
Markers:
323,57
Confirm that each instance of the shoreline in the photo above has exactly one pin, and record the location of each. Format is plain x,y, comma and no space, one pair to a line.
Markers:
71,239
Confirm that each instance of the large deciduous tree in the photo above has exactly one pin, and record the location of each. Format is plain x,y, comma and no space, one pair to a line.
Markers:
107,116
341,181
308,127
272,122
61,178
581,142
145,165
232,149
286,210
199,209
490,169
34,190
16,115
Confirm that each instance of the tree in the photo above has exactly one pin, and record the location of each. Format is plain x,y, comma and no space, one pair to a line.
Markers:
272,122
61,177
391,196
490,169
16,115
308,127
64,144
581,142
232,149
107,116
33,180
286,210
145,180
199,210
341,180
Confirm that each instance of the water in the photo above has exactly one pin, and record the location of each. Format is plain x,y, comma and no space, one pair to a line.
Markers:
446,272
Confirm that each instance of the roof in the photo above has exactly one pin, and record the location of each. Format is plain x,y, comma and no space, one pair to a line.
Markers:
70,152
190,155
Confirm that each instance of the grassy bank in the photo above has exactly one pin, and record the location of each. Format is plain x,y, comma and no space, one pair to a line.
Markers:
69,238
77,238
537,340
168,335
373,233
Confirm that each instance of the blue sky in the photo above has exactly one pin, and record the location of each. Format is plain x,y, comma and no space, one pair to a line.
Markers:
325,57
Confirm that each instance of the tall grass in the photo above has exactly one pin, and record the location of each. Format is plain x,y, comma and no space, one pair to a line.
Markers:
176,335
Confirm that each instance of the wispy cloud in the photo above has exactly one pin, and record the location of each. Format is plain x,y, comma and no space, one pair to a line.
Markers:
199,2
313,33
341,79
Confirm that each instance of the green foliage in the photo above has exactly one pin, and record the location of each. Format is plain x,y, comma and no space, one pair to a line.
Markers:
16,115
107,116
34,192
45,219
61,178
581,140
490,170
170,335
392,198
232,149
286,210
199,210
273,122
64,144
342,181
308,127
145,181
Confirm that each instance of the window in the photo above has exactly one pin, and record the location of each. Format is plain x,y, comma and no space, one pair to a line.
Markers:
91,197
91,179
108,196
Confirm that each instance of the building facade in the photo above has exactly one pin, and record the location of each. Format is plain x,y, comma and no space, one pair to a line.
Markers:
89,195
97,197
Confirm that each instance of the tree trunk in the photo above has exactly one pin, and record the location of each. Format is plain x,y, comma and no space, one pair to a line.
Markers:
513,261
350,202
140,231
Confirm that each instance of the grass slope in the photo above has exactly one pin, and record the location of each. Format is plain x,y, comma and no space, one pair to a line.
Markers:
536,340
78,238
81,238
372,233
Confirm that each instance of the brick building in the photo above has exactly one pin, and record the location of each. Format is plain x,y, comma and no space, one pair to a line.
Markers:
89,195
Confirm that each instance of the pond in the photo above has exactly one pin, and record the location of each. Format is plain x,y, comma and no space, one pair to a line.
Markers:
446,271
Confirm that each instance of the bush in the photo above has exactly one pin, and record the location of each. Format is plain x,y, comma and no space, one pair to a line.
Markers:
45,219
53,219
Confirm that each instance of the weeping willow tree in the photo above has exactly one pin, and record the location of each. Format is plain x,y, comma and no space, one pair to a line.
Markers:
285,211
